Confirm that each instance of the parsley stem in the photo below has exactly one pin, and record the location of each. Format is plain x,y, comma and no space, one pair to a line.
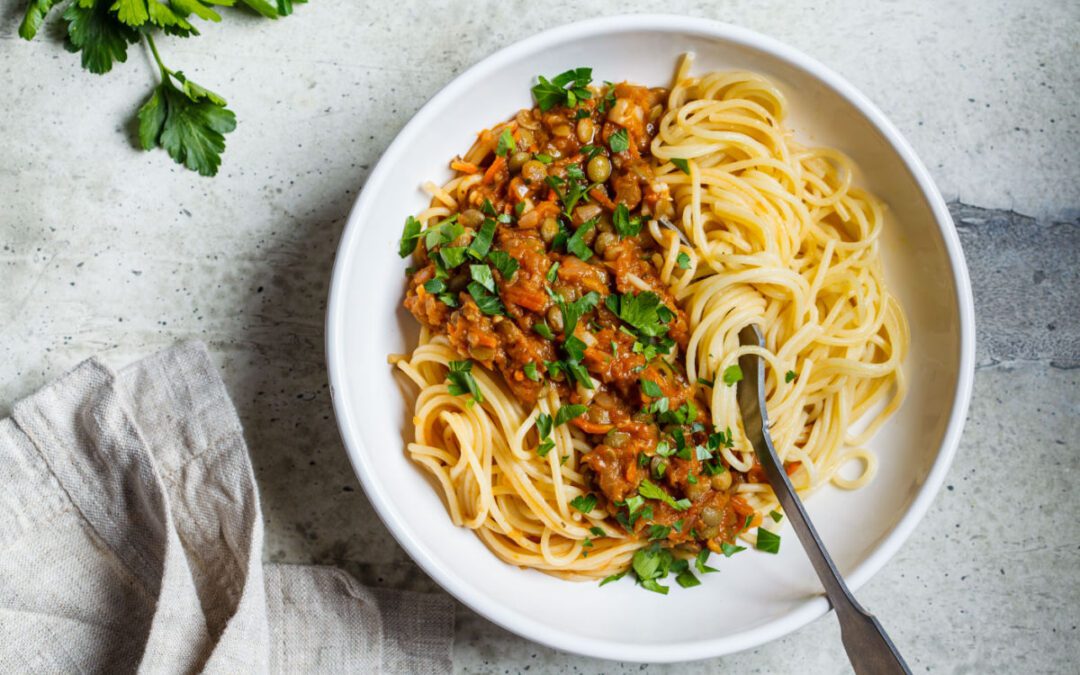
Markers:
165,72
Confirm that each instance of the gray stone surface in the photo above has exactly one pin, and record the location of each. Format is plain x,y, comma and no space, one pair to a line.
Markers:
104,249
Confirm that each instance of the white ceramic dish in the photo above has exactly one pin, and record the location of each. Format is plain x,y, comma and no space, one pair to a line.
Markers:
756,597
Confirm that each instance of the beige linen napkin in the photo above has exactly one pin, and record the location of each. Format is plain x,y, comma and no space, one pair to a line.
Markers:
131,539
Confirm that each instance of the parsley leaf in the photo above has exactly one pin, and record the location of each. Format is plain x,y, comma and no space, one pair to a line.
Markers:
34,17
683,261
658,532
488,303
776,516
481,243
650,490
566,88
681,164
624,224
543,330
699,562
613,577
730,549
584,503
643,311
409,235
435,286
543,425
461,380
552,272
651,389
576,243
543,159
619,141
504,262
767,541
687,579
443,232
189,123
93,30
452,256
569,412
790,375
732,374
530,371
506,143
481,274
572,311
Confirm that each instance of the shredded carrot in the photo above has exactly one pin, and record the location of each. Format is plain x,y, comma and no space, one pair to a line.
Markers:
791,467
463,166
601,198
496,166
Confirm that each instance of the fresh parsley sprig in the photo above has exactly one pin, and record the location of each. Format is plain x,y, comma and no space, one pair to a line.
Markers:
185,119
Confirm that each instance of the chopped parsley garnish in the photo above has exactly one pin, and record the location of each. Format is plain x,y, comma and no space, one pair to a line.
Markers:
461,380
552,272
790,376
643,311
590,150
543,429
732,374
686,579
664,449
569,412
575,348
619,141
443,232
563,89
409,235
730,549
435,286
613,577
746,523
702,381
651,564
651,389
543,159
597,532
481,274
545,447
584,503
572,311
767,541
776,516
481,243
488,303
699,562
576,243
650,490
543,330
504,262
683,261
530,371
519,208
658,532
681,164
452,256
575,172
624,224
543,425
506,143
488,208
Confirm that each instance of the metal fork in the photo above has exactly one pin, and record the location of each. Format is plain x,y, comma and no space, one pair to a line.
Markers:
868,646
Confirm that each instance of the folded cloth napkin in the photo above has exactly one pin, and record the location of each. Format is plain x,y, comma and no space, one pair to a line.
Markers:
131,539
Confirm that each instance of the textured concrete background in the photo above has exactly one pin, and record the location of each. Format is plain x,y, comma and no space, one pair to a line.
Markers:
104,249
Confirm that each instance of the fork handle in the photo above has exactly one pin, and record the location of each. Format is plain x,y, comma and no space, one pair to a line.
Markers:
867,644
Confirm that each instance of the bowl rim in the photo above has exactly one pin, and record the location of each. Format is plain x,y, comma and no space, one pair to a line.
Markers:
521,623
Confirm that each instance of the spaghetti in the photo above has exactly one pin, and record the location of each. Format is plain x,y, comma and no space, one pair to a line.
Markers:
581,283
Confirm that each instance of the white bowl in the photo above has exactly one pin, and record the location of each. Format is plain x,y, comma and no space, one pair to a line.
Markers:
756,597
